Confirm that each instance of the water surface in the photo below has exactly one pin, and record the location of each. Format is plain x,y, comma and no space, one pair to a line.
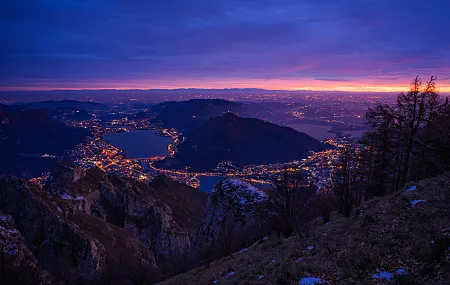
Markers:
140,143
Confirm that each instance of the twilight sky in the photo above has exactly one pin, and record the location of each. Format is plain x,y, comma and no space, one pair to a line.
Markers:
372,45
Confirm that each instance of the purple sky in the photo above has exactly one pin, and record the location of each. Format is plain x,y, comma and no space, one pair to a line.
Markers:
274,44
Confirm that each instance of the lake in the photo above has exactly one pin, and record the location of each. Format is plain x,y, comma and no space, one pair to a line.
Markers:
140,143
320,132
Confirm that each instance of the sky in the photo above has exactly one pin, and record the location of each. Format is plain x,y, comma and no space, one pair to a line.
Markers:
347,45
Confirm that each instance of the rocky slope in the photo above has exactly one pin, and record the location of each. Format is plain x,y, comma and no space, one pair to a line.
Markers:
398,239
233,205
89,227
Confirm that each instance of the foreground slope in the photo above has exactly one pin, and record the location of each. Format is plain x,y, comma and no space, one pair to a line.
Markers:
88,227
404,237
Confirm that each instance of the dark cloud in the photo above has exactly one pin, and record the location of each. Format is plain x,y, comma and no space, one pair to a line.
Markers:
146,41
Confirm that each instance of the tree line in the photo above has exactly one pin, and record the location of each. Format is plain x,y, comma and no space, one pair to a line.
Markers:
406,141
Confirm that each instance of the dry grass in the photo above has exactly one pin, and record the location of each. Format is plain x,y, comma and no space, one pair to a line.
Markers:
385,234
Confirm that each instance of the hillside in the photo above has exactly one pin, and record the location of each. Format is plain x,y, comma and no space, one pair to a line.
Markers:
25,135
189,115
243,141
87,227
404,237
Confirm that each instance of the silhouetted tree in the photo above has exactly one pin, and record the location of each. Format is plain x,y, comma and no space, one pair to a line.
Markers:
346,181
292,198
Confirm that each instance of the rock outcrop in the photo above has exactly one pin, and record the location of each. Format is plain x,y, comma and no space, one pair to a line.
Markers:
16,257
235,212
89,227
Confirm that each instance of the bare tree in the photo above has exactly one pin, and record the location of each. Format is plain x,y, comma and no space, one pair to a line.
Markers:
292,198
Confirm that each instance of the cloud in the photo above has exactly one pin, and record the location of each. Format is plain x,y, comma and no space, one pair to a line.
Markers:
138,40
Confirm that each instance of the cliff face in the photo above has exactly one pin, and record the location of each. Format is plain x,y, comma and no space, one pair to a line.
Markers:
235,214
16,257
89,227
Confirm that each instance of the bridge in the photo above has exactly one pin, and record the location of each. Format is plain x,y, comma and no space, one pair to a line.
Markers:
145,159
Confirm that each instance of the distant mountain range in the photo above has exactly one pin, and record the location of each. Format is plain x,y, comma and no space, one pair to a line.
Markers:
73,104
243,141
189,115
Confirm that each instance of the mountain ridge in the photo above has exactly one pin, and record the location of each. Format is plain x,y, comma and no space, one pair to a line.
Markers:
243,141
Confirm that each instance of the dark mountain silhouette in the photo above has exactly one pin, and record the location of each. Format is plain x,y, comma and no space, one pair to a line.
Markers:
51,104
189,115
243,141
25,135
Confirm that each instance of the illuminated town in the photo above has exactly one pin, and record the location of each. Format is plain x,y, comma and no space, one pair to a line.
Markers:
99,152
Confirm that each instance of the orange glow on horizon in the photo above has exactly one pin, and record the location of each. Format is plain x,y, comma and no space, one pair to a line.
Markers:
269,84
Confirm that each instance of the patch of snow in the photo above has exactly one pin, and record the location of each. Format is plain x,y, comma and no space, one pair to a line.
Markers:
230,274
68,197
401,271
414,202
382,275
242,250
412,188
310,247
311,281
247,248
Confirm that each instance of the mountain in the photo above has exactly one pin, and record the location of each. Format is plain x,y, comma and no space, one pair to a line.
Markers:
397,239
243,141
52,104
25,135
189,115
87,227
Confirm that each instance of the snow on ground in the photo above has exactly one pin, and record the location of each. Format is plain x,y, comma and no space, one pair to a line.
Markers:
311,281
69,197
383,275
414,202
247,248
412,188
388,275
401,271
230,274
